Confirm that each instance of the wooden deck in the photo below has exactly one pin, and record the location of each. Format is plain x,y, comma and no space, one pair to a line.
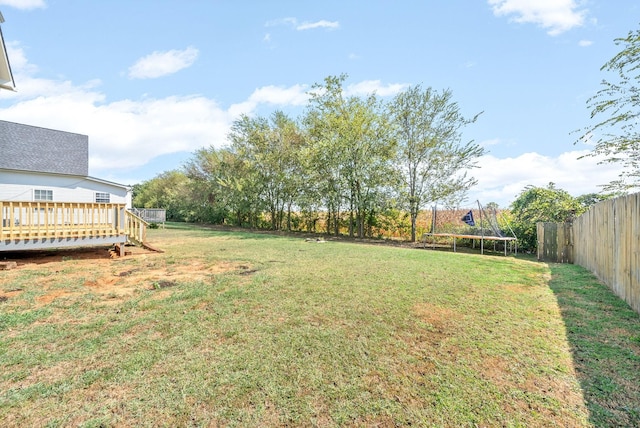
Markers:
40,225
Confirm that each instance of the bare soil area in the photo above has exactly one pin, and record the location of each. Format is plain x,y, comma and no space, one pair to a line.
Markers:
100,272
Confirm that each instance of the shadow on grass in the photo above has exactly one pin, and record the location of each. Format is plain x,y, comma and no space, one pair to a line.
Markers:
604,335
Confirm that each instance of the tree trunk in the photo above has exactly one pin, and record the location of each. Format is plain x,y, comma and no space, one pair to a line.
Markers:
414,210
274,217
414,218
351,221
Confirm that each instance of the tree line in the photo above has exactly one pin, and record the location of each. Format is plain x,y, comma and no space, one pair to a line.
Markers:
356,163
347,164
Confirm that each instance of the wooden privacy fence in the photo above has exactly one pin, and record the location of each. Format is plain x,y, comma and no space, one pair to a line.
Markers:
555,242
606,241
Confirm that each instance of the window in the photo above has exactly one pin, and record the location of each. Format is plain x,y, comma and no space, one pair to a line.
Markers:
103,198
42,195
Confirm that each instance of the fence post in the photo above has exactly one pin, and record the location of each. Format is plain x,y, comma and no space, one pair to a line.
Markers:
540,235
568,242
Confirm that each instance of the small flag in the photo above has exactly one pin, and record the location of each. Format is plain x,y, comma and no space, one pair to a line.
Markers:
468,218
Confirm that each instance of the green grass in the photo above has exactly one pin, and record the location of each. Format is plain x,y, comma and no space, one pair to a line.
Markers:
603,334
293,333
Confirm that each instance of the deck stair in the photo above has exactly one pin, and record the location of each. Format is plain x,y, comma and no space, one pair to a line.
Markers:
136,228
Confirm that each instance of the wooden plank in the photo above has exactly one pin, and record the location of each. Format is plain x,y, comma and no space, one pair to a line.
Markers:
607,243
540,240
26,220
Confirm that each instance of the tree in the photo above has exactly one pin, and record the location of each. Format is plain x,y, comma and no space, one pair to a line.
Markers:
589,199
541,204
224,184
285,151
167,190
209,170
617,105
433,160
270,148
352,151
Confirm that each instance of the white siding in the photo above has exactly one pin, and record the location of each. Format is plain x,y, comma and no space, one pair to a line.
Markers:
19,186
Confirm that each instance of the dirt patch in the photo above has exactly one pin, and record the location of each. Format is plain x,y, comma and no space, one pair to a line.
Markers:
75,272
52,295
6,295
440,318
520,387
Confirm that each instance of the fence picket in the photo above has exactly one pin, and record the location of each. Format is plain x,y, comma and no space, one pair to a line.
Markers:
606,242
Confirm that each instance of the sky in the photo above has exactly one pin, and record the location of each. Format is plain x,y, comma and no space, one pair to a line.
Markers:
152,81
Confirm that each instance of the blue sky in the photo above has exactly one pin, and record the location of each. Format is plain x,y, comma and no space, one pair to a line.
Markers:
150,82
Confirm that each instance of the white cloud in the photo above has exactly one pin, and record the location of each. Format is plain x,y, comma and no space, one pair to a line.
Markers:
29,86
24,4
492,142
368,87
585,43
274,95
557,16
332,25
294,95
302,26
18,59
160,64
289,21
297,95
129,133
501,180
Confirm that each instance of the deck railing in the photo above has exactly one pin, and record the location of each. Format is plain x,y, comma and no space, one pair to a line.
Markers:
20,220
136,228
151,215
29,220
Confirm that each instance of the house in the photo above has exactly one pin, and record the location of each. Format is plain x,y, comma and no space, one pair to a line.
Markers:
39,164
47,198
6,77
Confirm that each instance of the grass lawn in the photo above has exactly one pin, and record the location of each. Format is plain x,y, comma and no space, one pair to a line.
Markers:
241,329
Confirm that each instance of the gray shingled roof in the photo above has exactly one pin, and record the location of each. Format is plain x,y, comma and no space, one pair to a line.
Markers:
30,148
